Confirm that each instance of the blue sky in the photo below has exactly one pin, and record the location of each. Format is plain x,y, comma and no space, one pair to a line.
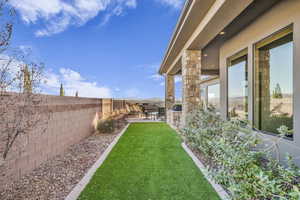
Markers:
102,48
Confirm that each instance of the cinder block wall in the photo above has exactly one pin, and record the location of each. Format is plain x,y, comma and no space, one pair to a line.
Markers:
107,107
71,119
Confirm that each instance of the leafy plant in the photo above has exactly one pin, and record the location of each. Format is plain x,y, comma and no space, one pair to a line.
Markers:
230,149
106,126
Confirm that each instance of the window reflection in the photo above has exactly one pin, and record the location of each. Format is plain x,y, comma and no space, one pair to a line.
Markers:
238,88
213,92
203,96
274,84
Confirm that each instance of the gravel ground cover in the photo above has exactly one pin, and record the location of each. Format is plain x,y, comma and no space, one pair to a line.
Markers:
54,179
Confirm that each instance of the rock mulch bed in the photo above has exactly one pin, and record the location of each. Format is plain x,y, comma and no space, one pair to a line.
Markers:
55,178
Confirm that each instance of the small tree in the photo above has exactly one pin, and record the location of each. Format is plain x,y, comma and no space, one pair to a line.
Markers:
233,113
20,105
61,90
27,80
277,94
76,94
6,24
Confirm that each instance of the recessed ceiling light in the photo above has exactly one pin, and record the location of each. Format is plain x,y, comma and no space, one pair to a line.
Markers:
222,32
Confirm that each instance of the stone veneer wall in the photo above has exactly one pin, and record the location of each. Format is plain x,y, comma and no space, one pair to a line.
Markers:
71,119
191,72
170,92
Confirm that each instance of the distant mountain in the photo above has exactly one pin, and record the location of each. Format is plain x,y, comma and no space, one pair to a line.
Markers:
156,101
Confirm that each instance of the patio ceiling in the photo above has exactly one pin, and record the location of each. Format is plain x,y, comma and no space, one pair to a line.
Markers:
229,16
193,9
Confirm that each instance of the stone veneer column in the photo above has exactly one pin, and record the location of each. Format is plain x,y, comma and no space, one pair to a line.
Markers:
170,94
191,71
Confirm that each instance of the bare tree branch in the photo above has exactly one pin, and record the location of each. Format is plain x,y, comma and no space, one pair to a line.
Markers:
21,105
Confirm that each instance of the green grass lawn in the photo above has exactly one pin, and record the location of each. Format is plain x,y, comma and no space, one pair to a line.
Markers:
148,163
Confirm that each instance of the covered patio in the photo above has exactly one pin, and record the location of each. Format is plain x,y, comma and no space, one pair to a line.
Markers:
195,52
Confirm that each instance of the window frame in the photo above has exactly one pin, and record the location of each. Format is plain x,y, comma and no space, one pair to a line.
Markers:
256,46
207,91
207,82
239,54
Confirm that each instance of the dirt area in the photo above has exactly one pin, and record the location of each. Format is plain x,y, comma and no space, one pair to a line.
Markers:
55,178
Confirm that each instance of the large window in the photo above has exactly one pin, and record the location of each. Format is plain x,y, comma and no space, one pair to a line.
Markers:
273,104
238,86
213,92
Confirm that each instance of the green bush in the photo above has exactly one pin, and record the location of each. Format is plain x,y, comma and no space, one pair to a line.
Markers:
272,123
234,161
110,125
106,126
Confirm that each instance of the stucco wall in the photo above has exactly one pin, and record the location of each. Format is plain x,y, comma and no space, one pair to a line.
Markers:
280,16
70,120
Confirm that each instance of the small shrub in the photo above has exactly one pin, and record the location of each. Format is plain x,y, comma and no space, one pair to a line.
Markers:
106,126
111,124
234,161
272,123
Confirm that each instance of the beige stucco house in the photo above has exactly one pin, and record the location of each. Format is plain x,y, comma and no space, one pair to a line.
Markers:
242,57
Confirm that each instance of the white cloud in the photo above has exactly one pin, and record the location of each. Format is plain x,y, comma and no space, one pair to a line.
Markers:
10,64
178,79
70,75
156,77
159,78
58,15
150,67
73,81
173,3
52,80
9,69
25,49
131,3
117,11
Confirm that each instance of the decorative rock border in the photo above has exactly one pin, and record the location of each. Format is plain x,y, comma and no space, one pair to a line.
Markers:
74,194
218,188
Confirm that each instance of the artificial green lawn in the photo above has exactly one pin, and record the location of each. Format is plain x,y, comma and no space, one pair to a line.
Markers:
148,163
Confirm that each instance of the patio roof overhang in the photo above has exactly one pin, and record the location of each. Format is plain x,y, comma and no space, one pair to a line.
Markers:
200,25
